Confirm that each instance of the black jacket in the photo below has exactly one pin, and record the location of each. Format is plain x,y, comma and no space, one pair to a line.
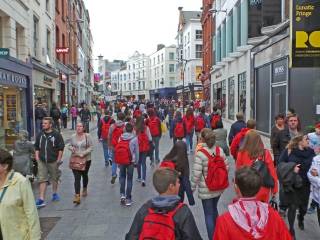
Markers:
279,143
49,145
288,179
235,129
185,226
85,115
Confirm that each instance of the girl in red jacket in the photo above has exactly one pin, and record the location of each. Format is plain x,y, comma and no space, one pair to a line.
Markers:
251,150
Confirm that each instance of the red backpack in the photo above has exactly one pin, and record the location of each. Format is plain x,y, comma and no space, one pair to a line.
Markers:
214,120
118,130
168,164
122,154
217,176
143,141
179,130
159,225
189,123
153,125
105,128
200,123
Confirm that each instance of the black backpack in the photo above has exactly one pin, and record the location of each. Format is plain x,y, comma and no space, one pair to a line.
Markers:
55,113
262,168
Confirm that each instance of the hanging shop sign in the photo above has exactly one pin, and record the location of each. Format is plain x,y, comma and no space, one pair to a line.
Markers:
305,33
62,50
4,52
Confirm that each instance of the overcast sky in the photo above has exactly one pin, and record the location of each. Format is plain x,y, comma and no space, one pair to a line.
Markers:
120,27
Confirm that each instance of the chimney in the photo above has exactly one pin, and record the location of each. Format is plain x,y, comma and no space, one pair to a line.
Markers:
180,8
160,46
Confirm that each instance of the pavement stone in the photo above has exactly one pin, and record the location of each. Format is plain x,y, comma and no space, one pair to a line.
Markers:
100,216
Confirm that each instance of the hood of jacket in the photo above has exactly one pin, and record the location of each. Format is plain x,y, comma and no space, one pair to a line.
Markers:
250,215
128,136
119,123
165,203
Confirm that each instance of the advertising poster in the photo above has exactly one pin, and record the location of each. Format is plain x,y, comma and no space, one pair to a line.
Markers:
305,33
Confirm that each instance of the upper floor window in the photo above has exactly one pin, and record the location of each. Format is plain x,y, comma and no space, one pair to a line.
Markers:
198,34
171,68
198,51
162,57
188,37
35,35
48,5
171,56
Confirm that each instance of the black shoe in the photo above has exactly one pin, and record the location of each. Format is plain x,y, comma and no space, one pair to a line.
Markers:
143,184
110,162
113,179
300,223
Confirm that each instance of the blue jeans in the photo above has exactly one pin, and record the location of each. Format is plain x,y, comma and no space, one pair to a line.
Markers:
38,126
142,166
156,142
185,187
210,210
126,173
114,165
106,152
74,123
189,141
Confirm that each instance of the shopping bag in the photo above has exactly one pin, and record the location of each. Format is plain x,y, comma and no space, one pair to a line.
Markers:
163,127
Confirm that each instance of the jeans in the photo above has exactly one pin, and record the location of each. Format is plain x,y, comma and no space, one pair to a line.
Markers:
65,122
156,142
77,178
189,141
38,126
142,166
210,214
114,165
74,123
106,152
185,187
86,126
126,173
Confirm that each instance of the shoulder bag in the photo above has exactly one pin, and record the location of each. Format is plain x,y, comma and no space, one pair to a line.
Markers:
262,168
1,197
77,162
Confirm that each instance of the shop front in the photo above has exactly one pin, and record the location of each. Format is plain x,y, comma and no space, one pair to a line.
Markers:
15,100
168,93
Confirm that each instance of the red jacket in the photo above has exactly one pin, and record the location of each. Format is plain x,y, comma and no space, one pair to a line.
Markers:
227,229
234,148
189,122
243,159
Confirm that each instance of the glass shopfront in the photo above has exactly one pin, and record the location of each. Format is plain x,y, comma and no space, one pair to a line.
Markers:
43,95
219,91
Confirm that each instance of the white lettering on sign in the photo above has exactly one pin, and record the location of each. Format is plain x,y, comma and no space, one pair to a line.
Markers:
279,70
11,78
62,50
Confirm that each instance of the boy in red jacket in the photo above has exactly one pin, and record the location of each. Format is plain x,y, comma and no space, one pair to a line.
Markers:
247,218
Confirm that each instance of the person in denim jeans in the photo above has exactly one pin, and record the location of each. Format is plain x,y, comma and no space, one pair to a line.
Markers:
155,132
178,154
199,172
189,121
142,129
74,116
126,171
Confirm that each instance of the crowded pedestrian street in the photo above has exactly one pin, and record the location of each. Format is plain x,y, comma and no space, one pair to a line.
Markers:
100,215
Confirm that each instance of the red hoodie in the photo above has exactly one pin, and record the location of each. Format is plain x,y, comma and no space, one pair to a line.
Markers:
235,144
249,219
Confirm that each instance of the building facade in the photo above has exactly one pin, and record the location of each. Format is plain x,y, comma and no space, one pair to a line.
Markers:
163,73
15,72
189,52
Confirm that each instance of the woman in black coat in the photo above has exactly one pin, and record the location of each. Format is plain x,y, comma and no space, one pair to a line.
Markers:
298,152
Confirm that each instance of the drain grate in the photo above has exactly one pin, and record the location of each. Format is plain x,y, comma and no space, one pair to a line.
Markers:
47,224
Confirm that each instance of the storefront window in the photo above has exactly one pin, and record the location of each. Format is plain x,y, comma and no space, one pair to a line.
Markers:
231,98
242,93
43,95
219,96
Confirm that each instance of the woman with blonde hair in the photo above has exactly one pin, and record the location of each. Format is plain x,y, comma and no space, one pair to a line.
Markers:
299,153
251,151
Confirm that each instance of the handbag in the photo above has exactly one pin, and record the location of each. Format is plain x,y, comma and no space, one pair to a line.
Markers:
77,162
163,127
262,168
1,197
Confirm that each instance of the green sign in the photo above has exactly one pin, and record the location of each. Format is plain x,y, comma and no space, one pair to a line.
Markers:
4,52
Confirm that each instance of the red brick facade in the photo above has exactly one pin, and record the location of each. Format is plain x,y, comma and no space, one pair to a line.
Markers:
62,35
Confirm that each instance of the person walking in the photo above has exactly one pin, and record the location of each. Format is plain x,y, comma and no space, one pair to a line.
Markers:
189,121
85,117
201,122
81,148
252,150
103,131
314,178
154,124
162,209
55,114
301,155
208,198
19,218
64,115
248,218
178,155
144,141
126,155
178,128
74,116
278,126
215,117
221,138
40,113
236,127
49,146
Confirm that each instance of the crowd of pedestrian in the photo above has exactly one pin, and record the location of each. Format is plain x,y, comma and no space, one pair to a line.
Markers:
130,132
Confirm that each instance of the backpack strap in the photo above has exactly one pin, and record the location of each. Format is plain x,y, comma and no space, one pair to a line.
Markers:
217,151
174,211
205,152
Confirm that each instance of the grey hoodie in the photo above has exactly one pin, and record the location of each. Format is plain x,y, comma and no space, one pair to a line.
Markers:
133,145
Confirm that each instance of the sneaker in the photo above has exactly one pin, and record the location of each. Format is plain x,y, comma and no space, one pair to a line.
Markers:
40,203
55,197
113,179
128,202
311,210
122,200
143,184
106,164
139,180
110,162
